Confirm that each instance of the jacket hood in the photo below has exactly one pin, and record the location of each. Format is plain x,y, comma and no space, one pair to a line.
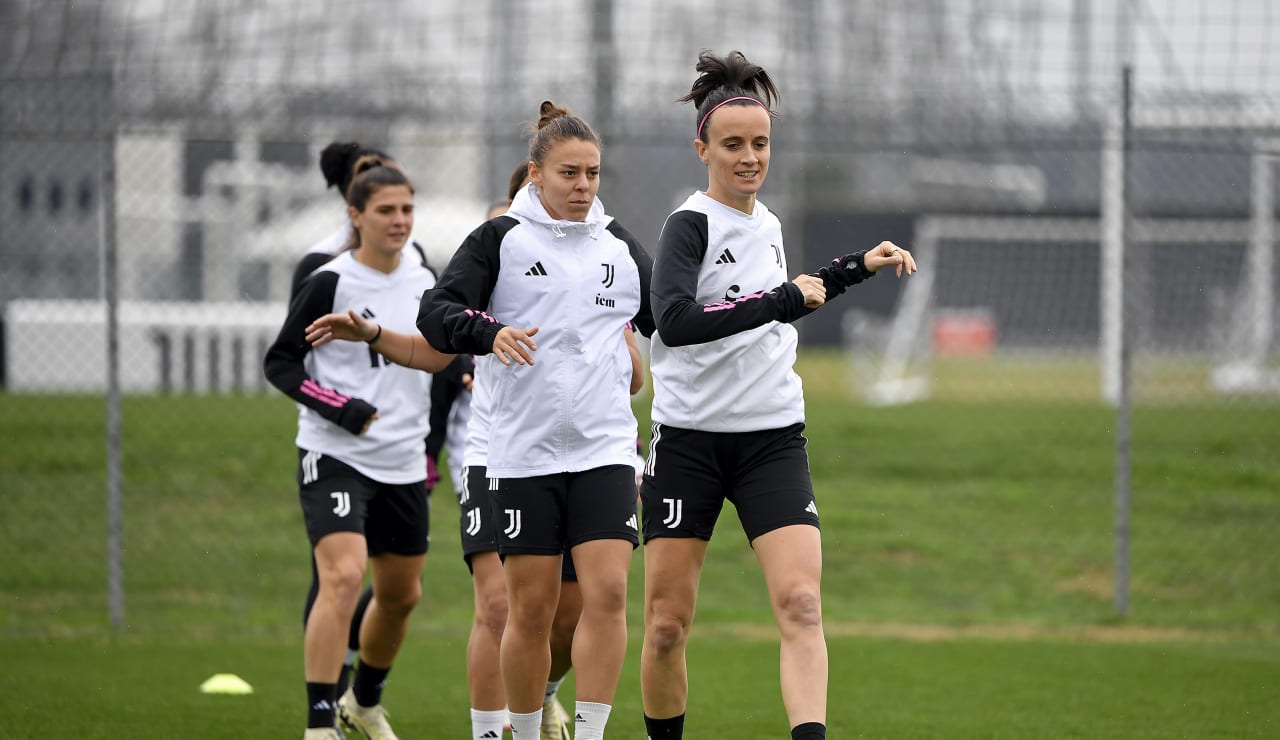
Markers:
527,206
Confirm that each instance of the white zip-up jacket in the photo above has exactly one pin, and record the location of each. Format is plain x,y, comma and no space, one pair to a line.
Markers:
724,351
579,282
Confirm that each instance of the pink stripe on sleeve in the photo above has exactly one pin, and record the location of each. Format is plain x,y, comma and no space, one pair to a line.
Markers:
726,305
324,395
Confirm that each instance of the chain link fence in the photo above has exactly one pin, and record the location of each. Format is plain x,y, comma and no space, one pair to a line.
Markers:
159,183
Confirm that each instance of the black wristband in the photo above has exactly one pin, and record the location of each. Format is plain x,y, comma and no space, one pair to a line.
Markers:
375,337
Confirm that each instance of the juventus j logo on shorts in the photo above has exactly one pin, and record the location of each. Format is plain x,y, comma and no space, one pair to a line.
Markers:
341,502
473,521
675,512
512,529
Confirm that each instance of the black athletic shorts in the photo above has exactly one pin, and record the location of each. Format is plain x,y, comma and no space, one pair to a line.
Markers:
393,517
476,520
690,474
548,514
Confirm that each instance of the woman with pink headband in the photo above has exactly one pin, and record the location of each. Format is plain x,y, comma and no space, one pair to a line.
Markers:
728,409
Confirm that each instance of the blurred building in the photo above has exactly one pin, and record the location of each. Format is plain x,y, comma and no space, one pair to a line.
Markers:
213,114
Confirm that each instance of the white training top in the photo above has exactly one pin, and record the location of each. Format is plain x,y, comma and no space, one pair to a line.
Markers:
333,382
722,357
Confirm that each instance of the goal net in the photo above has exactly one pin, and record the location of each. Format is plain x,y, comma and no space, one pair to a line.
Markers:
1007,307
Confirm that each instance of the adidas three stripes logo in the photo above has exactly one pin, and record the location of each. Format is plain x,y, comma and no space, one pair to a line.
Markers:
725,258
537,269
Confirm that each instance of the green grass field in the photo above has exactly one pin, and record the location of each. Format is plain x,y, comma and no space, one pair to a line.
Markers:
967,589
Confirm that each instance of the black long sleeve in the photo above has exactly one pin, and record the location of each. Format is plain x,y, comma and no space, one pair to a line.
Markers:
843,273
284,366
451,315
680,319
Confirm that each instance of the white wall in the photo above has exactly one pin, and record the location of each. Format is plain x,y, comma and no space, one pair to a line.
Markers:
60,346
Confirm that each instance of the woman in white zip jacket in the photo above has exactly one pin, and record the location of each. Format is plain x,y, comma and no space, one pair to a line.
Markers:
547,289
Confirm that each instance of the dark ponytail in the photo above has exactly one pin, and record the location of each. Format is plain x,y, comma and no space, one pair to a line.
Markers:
723,78
338,163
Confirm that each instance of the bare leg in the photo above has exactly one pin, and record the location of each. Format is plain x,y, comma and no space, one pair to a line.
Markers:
340,563
484,670
600,642
792,561
533,589
397,587
566,623
672,569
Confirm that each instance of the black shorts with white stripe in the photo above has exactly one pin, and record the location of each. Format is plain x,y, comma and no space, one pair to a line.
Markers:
393,517
476,519
549,514
690,474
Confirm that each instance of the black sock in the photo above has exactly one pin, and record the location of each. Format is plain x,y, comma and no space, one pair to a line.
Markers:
664,729
321,701
344,678
809,731
368,684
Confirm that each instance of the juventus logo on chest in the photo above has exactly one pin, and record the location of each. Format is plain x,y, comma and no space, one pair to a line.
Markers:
608,275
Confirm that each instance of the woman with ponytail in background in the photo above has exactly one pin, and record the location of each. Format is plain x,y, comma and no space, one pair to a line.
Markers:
361,454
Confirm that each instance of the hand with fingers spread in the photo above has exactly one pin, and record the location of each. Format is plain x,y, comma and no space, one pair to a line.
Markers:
815,291
350,326
888,253
512,344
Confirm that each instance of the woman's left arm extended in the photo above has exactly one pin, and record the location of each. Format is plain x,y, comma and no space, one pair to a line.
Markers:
409,350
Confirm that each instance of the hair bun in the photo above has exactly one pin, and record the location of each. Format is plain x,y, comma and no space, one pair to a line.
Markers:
549,111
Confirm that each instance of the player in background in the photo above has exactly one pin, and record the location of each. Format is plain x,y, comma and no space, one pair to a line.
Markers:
728,408
337,163
362,465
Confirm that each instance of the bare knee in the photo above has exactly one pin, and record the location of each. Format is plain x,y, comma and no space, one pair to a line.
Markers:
667,632
531,617
341,585
799,607
607,599
491,612
401,600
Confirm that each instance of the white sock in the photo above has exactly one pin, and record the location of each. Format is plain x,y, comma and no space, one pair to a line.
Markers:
552,688
487,724
589,719
526,726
